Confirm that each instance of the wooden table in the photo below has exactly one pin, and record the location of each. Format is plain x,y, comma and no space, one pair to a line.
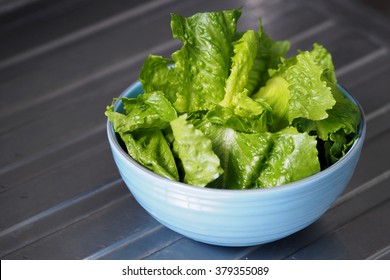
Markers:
62,62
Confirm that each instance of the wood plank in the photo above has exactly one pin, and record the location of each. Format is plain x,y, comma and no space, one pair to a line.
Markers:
373,160
69,63
46,22
371,93
95,231
349,241
61,215
140,247
47,163
58,185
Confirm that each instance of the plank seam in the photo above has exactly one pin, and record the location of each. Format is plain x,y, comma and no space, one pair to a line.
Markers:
65,204
104,24
91,78
362,188
379,254
123,242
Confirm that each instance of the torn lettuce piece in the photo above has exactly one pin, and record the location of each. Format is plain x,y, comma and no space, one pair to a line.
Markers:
322,58
237,109
241,154
260,160
157,74
277,96
345,116
150,149
309,95
269,55
245,51
200,164
148,110
254,53
202,65
337,132
248,124
292,157
337,146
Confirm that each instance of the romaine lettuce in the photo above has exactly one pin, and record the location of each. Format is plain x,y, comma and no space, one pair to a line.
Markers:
299,78
229,110
202,64
150,148
194,150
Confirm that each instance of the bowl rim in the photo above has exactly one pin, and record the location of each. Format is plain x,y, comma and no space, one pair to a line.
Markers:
293,185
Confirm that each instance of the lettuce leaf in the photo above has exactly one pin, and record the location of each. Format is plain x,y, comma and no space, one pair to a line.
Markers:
240,154
249,124
260,160
150,149
245,51
338,130
148,110
201,165
157,74
292,157
337,146
202,64
343,116
269,55
307,94
277,95
254,54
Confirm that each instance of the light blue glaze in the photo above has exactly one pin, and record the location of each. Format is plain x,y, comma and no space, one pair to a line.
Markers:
235,217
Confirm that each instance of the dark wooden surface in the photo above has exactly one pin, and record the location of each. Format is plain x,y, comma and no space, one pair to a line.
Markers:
62,62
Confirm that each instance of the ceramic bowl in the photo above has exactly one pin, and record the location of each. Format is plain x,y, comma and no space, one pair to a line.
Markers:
235,217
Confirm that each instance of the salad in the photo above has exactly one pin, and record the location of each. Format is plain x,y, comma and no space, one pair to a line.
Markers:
229,110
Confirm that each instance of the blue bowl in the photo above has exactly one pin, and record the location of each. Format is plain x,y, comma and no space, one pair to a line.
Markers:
235,217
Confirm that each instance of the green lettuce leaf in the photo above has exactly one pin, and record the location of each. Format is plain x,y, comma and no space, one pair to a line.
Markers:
202,64
249,124
245,51
269,55
150,149
157,74
337,146
200,164
148,110
338,130
260,160
240,154
239,110
277,96
343,116
322,58
291,158
308,95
